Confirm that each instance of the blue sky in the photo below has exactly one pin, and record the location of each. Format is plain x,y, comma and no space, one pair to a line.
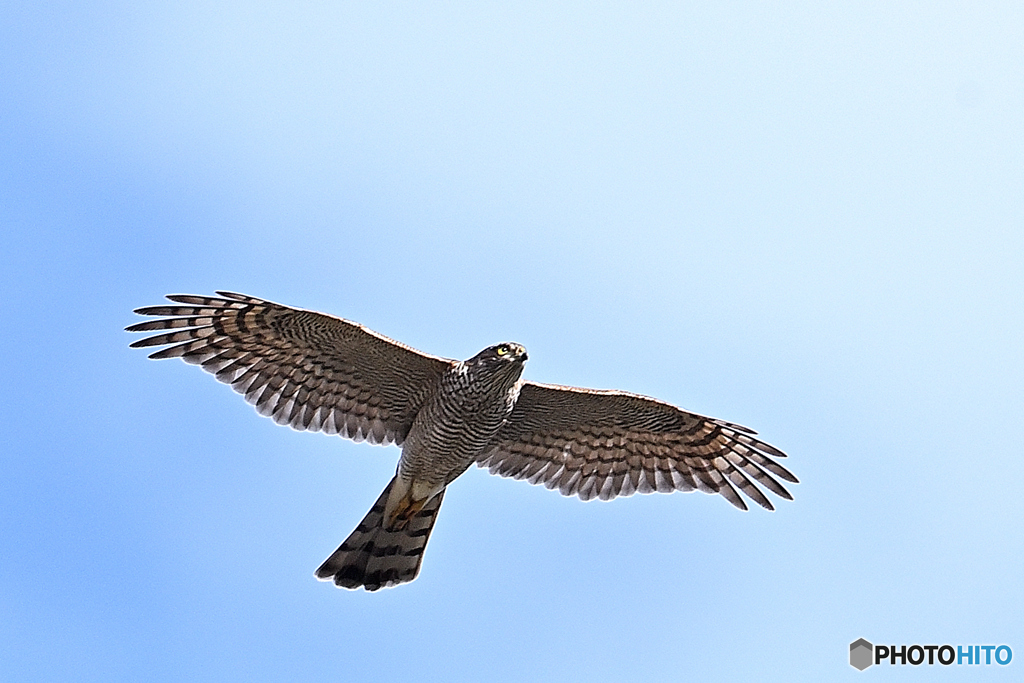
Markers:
806,219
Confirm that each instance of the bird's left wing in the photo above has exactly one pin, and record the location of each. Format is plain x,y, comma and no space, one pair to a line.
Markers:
605,444
304,369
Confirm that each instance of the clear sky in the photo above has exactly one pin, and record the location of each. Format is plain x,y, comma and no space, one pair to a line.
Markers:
808,219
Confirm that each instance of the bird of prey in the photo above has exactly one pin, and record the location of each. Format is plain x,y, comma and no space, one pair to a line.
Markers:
316,372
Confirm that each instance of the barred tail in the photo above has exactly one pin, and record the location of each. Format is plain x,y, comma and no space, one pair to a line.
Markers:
373,557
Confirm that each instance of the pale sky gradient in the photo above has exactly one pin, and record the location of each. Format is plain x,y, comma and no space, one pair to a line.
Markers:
808,220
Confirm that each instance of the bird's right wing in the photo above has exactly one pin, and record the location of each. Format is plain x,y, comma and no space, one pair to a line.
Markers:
304,369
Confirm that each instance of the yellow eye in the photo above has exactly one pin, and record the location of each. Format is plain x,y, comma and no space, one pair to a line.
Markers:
501,350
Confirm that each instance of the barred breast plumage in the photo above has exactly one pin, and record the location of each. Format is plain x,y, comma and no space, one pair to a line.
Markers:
458,420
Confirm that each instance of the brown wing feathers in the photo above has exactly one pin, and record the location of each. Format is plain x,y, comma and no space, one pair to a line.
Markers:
603,444
301,368
318,372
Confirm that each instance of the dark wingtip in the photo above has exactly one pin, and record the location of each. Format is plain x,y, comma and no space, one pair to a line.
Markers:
786,474
735,500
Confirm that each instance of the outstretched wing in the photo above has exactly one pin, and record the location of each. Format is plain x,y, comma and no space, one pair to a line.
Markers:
605,444
303,369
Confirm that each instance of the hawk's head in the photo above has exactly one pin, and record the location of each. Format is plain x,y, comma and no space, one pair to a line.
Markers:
501,359
508,352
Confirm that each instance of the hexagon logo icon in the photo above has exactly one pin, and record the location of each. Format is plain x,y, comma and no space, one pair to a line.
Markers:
861,654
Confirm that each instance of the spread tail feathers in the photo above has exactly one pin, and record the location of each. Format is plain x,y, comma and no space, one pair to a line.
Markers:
373,557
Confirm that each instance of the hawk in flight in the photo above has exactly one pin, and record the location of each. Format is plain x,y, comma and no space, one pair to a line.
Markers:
314,371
